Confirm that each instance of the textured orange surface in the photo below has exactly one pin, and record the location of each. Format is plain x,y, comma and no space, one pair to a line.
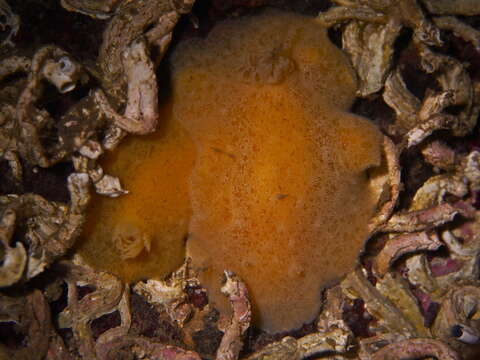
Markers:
279,190
275,186
155,169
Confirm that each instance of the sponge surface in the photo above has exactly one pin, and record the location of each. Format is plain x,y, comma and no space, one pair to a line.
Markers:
279,190
258,161
142,234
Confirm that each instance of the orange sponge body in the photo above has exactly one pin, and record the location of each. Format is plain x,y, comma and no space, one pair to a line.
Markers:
275,186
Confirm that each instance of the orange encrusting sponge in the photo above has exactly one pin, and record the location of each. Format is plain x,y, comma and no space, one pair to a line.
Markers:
142,234
275,185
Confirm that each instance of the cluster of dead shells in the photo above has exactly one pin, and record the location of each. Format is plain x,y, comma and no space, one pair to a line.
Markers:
417,305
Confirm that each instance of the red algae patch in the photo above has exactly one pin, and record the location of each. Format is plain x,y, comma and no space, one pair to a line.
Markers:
258,161
142,234
279,191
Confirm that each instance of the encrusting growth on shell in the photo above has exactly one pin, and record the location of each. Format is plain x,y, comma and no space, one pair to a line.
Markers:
141,234
258,161
281,165
399,302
